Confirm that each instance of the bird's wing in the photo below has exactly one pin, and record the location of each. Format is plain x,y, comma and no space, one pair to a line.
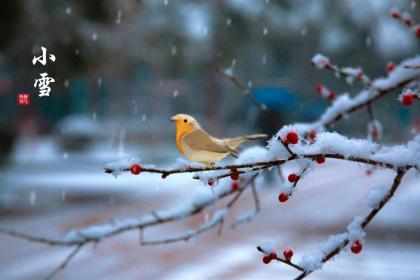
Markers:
200,140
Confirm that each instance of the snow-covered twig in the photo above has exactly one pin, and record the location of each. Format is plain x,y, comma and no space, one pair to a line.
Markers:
407,20
322,62
249,216
290,263
324,145
260,165
217,219
96,233
363,223
344,105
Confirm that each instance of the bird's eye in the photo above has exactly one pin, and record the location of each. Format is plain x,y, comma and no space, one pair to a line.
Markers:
185,120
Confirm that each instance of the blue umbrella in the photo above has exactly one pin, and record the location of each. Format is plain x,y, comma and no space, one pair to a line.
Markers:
274,98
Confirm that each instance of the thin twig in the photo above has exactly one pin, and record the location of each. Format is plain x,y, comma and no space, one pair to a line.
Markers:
365,222
205,227
249,216
256,198
356,107
255,166
247,93
290,263
65,262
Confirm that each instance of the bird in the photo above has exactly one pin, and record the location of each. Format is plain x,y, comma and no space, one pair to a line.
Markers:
199,146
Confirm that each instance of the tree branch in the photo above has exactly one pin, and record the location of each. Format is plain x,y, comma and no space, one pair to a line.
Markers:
65,262
246,92
365,222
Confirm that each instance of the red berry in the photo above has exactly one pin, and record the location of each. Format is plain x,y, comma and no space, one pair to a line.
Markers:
356,247
395,15
408,21
235,186
312,134
283,197
288,254
417,31
390,67
234,176
319,88
292,138
273,256
210,182
320,160
331,95
266,259
293,178
136,169
407,99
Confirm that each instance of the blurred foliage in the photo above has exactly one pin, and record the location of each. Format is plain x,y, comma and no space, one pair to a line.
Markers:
7,140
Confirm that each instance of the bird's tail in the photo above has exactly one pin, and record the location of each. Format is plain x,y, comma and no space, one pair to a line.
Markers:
235,142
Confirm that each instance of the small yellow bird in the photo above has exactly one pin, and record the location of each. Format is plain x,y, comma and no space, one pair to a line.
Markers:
197,145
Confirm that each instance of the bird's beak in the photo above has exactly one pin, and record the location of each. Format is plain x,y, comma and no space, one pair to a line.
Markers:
173,119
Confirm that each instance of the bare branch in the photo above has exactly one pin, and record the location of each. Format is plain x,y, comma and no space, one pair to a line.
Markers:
246,92
65,262
248,217
365,222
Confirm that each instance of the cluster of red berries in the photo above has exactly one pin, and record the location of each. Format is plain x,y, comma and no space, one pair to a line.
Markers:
404,18
407,20
356,247
291,138
325,92
136,169
287,253
268,258
408,98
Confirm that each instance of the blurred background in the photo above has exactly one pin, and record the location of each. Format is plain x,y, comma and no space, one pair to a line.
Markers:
123,68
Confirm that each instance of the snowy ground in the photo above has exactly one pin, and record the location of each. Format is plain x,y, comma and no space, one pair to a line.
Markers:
325,203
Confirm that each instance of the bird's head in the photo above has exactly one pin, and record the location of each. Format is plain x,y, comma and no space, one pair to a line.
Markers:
185,123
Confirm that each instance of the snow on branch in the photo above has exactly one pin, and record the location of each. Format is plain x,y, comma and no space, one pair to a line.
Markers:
307,144
326,145
216,219
335,244
350,73
344,104
96,233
